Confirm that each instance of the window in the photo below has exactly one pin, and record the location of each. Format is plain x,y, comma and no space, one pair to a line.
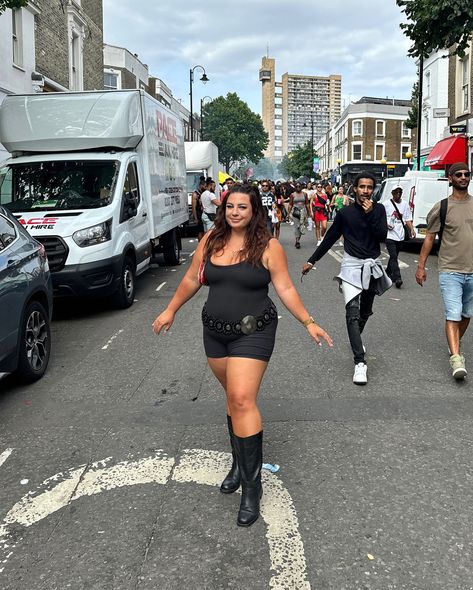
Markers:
110,81
357,127
356,150
378,151
7,233
405,147
76,34
131,191
427,130
406,132
380,128
465,74
17,49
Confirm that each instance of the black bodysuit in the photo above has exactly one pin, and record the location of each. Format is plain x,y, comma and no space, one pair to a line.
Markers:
236,291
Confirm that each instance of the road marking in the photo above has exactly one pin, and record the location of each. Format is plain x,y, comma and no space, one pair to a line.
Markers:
4,456
335,255
192,253
205,467
112,339
161,286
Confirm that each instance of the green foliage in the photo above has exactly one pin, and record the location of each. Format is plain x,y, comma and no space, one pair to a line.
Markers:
413,113
437,24
4,4
298,162
235,129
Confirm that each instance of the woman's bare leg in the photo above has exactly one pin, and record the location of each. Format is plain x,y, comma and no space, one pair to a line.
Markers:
219,369
324,228
243,379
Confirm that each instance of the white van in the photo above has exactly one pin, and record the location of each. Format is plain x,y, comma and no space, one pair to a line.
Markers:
99,179
201,160
422,190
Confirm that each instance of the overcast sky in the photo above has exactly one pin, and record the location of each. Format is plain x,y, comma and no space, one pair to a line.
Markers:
359,39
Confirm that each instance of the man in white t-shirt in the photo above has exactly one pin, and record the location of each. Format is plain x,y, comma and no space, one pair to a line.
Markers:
395,208
209,205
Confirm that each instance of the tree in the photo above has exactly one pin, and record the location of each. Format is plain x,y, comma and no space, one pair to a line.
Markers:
235,129
413,113
4,4
298,162
437,24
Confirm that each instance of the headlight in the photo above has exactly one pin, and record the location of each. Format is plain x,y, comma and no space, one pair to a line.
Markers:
97,234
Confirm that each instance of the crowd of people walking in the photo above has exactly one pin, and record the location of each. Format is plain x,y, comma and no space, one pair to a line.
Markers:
239,254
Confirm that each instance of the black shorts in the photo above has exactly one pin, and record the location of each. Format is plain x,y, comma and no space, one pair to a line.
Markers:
258,345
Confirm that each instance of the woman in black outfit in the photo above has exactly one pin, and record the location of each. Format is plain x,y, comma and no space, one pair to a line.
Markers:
238,259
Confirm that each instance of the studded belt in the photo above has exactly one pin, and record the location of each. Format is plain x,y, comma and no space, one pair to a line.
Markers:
246,325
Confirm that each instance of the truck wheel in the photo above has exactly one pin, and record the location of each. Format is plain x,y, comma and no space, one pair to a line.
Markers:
171,248
125,294
35,343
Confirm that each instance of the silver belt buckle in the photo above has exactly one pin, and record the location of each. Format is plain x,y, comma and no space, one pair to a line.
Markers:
248,324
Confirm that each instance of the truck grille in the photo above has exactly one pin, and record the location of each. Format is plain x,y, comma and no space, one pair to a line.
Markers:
56,249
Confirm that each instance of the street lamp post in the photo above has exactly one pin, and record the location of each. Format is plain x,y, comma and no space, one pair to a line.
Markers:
201,115
384,163
204,79
311,142
408,155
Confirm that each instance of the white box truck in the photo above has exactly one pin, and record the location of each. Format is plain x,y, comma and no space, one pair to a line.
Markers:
201,160
99,179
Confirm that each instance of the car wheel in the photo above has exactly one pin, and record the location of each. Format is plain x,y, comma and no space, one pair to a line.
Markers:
171,249
35,343
125,294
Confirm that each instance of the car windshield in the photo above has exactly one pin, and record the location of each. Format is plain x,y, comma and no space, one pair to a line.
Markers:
58,185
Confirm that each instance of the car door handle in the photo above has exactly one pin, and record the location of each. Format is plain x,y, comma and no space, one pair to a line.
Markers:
144,214
11,262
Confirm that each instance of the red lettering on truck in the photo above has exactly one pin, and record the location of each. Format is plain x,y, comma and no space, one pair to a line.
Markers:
166,127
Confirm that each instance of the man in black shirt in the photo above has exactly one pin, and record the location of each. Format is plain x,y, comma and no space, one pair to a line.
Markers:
362,276
268,200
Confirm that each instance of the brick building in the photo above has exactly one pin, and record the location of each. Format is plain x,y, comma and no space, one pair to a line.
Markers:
69,42
371,135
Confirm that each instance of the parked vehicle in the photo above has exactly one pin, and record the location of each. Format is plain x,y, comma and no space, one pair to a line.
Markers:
422,190
99,179
201,160
26,301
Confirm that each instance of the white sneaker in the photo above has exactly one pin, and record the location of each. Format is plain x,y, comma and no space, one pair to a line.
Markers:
319,242
360,375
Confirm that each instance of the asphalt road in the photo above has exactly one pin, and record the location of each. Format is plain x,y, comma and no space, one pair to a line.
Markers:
110,465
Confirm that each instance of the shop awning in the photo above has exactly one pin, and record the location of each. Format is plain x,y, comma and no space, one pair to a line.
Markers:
447,151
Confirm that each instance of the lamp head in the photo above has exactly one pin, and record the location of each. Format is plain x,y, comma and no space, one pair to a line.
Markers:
204,78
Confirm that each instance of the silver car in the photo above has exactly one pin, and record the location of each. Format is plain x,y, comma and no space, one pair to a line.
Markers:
26,301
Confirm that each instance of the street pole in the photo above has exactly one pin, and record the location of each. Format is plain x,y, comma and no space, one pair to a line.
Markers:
204,79
419,107
312,143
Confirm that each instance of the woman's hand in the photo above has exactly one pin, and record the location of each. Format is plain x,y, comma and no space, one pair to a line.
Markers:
318,334
163,321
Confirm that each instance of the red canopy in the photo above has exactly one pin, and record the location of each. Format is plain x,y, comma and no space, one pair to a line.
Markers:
446,152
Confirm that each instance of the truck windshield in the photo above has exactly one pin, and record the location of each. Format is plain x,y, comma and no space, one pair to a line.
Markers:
58,185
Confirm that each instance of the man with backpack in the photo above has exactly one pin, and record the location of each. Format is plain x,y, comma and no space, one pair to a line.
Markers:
452,220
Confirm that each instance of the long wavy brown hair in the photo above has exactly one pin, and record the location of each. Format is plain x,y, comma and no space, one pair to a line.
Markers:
257,234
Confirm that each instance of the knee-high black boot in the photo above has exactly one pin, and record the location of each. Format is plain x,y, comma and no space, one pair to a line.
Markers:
232,482
249,451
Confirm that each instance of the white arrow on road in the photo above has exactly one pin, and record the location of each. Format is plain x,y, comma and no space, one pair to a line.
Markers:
199,466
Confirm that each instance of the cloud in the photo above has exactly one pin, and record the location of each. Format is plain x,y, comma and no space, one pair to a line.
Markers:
360,40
